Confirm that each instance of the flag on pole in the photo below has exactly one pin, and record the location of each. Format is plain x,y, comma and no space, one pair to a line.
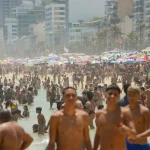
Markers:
119,42
146,58
66,50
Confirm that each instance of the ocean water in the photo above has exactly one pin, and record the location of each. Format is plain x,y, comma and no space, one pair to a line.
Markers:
40,141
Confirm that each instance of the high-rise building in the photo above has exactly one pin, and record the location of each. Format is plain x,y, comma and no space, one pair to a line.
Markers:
138,11
76,31
147,22
22,9
116,10
55,22
111,11
5,9
66,3
38,2
10,29
147,12
34,16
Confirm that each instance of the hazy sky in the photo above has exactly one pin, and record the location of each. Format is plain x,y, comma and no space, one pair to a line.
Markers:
85,9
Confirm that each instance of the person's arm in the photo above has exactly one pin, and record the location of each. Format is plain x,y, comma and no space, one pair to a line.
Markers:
27,140
97,134
1,136
146,114
86,133
88,106
48,124
28,114
52,132
143,135
43,118
128,127
128,131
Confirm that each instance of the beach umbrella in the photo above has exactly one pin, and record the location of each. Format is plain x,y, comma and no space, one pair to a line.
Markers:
95,62
28,64
128,61
133,53
140,60
104,58
133,56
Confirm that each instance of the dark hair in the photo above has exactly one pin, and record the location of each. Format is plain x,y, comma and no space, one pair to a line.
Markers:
30,89
99,86
100,107
5,116
125,87
1,86
26,107
39,108
35,125
142,88
23,91
95,88
59,104
113,87
67,88
84,92
90,95
7,104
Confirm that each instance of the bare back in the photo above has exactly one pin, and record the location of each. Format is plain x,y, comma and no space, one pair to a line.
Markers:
10,136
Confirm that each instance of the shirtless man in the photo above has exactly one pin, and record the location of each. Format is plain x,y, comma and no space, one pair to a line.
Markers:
113,124
141,118
12,136
41,121
69,126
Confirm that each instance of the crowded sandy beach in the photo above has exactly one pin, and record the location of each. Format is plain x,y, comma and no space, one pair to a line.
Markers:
75,106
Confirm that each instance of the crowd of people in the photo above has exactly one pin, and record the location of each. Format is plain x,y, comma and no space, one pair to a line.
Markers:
83,93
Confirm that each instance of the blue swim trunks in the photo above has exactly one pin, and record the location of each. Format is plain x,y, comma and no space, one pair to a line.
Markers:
137,146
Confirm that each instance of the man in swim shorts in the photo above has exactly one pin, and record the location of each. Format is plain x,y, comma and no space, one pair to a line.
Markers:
141,118
41,121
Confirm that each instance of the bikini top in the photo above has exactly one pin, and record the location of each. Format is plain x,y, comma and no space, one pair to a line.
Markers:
13,106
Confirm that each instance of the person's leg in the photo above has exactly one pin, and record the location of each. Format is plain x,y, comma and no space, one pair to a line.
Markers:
15,117
51,103
91,118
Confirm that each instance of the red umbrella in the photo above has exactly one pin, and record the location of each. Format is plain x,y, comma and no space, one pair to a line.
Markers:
133,56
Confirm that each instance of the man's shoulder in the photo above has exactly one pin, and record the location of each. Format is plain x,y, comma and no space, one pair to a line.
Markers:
81,113
144,109
9,125
41,115
147,91
100,112
57,114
